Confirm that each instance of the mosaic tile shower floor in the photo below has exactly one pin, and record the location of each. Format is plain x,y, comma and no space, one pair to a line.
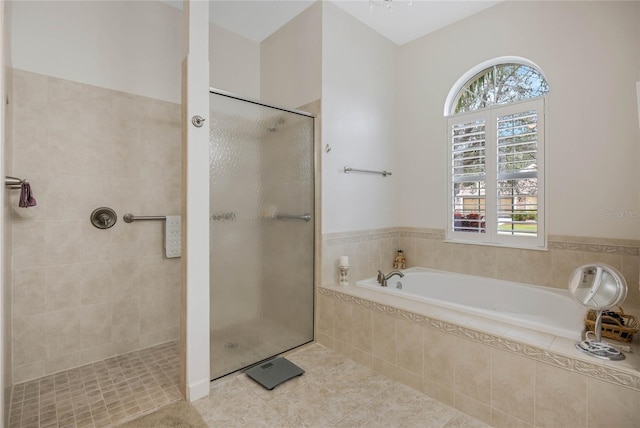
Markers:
102,394
333,392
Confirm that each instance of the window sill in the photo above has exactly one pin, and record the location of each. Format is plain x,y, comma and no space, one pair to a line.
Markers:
496,245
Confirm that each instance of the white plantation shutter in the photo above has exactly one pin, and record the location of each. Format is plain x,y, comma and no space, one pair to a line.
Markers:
468,173
496,180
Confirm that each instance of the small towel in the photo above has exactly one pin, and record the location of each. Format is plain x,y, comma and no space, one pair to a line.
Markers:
173,236
26,197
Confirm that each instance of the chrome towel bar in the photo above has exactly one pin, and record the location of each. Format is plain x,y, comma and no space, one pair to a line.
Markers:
305,217
366,171
129,218
13,182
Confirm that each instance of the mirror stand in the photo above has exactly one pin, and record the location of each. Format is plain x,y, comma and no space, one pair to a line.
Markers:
598,287
597,347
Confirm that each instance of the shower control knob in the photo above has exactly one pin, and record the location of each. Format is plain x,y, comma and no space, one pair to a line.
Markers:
197,121
103,218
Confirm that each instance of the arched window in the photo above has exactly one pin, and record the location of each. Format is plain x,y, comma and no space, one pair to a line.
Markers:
496,153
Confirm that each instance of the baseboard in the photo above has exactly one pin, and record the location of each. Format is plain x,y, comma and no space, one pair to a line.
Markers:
198,390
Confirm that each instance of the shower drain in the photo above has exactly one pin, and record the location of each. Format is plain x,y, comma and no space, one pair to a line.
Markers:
231,345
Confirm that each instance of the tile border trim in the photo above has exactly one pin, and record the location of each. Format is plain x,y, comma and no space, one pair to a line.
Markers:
359,236
596,371
556,242
595,248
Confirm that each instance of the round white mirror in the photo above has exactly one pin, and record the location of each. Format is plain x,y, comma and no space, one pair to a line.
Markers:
598,287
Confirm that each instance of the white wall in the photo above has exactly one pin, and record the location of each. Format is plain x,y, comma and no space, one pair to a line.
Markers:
291,61
358,122
235,62
589,52
133,46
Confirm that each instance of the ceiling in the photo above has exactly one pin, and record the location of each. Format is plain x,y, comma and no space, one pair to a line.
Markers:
402,23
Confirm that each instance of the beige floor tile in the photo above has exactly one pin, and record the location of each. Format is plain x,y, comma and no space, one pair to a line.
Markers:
334,391
400,406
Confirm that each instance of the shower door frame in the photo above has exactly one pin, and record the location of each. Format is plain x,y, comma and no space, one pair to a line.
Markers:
314,115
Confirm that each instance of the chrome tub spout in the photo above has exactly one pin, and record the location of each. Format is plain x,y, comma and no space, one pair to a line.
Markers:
382,278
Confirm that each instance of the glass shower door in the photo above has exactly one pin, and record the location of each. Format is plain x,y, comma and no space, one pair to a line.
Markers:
261,170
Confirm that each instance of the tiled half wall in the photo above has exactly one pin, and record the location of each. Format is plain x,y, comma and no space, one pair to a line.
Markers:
501,381
370,250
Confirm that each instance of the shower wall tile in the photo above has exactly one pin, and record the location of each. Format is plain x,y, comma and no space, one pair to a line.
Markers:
98,353
96,283
29,297
32,370
29,336
125,319
29,247
32,89
95,328
63,285
125,277
63,332
81,294
62,362
159,336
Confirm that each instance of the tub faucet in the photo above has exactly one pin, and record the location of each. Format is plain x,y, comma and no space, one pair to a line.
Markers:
382,278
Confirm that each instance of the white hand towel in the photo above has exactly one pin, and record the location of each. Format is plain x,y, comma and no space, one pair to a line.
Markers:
173,236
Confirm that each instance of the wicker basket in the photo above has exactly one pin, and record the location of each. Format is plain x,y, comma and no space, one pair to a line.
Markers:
621,328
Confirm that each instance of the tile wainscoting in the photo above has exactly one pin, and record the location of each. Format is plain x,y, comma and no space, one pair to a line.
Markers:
500,374
370,250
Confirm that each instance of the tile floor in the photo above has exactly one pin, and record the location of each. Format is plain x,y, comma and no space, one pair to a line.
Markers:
333,392
102,394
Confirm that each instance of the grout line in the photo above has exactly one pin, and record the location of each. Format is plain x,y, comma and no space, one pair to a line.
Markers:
98,394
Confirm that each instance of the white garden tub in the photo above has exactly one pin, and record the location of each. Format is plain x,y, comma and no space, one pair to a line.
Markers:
544,309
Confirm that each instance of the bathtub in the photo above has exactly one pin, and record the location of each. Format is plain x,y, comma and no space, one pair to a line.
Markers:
544,309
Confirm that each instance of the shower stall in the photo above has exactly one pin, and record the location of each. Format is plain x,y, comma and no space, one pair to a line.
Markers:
261,172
